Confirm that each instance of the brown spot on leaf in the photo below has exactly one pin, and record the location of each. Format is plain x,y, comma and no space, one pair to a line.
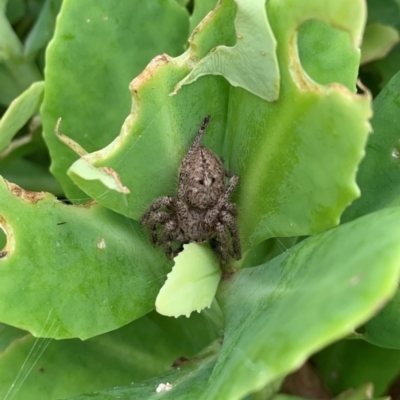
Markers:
117,179
180,361
154,65
77,148
31,197
3,253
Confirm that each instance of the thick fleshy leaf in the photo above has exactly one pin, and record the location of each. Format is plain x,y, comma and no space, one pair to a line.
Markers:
87,272
378,41
114,41
387,67
379,174
11,58
10,46
383,330
19,113
200,9
299,128
43,30
192,283
322,64
291,155
46,369
281,312
30,176
383,11
8,334
185,382
350,363
251,63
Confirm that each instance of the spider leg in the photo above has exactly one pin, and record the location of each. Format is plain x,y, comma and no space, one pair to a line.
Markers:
223,248
230,221
230,208
165,201
223,201
182,211
233,181
169,234
157,217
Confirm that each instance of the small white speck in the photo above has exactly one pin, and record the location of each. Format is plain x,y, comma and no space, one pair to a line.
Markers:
355,280
101,244
163,387
88,20
395,152
105,18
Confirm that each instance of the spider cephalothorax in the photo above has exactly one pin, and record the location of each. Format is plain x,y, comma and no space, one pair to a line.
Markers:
202,211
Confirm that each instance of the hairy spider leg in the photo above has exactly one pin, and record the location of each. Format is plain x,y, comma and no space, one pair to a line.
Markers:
228,220
158,217
212,214
165,201
222,249
171,233
199,135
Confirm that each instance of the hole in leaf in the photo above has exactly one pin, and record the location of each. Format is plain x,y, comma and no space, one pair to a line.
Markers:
6,238
326,54
3,242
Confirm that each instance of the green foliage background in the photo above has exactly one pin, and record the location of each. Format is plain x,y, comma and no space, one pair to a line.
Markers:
128,83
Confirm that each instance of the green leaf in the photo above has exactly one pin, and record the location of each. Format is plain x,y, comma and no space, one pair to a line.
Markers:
43,30
350,363
30,176
20,112
87,272
251,63
379,174
284,142
200,10
280,313
383,11
8,334
192,283
10,88
186,382
322,64
10,46
29,367
114,41
15,9
364,392
378,41
388,66
383,330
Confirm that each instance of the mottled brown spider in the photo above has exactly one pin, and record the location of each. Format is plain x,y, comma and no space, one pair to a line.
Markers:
202,211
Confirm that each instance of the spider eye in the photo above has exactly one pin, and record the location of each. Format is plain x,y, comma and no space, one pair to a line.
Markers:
201,181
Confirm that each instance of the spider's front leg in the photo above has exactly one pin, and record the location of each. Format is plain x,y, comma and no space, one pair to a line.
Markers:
223,201
151,218
165,201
